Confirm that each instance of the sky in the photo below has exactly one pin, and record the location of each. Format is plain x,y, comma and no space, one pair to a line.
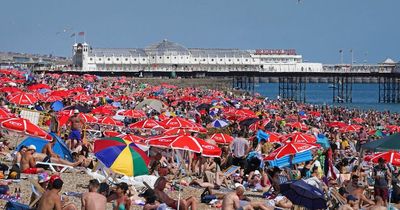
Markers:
317,29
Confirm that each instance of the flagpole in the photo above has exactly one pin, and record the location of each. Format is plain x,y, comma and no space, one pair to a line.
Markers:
75,37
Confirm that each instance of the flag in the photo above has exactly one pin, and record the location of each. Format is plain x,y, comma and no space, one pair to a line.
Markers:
81,33
72,35
340,51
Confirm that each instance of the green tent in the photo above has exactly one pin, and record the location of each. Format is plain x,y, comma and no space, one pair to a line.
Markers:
387,143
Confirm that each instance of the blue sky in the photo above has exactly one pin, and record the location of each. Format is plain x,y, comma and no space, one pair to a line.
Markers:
317,29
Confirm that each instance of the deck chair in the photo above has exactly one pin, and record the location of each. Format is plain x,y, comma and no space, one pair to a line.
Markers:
54,166
37,190
336,198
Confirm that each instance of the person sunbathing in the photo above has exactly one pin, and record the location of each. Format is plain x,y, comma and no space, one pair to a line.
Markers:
85,162
42,157
28,162
234,201
185,204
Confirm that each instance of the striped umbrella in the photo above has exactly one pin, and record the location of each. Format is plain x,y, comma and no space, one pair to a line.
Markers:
219,124
121,156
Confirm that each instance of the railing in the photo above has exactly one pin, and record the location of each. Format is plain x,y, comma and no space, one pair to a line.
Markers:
362,69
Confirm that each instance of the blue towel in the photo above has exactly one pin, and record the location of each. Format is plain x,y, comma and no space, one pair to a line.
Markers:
262,135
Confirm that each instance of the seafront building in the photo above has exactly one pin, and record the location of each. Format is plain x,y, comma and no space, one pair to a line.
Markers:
170,56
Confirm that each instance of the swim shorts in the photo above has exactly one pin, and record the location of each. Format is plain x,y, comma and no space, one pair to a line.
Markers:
30,171
75,135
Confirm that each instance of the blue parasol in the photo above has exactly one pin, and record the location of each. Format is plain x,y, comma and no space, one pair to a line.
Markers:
303,194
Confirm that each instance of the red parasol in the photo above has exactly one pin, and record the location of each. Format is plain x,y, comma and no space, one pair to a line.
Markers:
297,125
24,126
149,123
274,137
222,138
103,110
162,142
22,98
52,99
61,93
301,138
82,97
5,114
358,120
110,121
289,149
133,113
178,122
209,150
178,131
133,138
111,133
350,128
392,157
336,124
39,86
10,90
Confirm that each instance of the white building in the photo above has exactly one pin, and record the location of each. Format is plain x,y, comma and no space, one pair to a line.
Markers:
170,56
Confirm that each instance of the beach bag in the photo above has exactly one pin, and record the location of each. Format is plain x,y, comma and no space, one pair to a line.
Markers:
15,172
206,197
16,206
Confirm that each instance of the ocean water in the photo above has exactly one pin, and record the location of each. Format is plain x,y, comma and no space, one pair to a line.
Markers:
365,96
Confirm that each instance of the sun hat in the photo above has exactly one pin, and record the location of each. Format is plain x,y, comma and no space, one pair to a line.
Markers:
32,147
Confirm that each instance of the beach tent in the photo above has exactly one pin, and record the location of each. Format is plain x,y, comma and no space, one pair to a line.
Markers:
285,161
59,148
387,143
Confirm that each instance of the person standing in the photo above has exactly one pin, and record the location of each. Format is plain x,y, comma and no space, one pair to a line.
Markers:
77,124
93,200
240,148
382,176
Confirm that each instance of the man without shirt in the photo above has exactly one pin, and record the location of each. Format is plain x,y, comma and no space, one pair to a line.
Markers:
76,128
231,201
51,199
93,200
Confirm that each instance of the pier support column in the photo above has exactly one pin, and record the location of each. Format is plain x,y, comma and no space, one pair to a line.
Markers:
293,88
342,89
389,89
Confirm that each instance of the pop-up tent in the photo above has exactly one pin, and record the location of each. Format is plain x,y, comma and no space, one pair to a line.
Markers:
59,147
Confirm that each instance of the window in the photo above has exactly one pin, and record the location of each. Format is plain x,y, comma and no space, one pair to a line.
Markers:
91,59
195,59
126,59
167,57
117,59
220,59
204,59
247,59
144,59
174,57
108,59
135,59
212,59
238,60
229,60
160,57
154,57
99,59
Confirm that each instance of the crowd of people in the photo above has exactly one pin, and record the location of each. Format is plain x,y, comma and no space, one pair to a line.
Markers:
339,168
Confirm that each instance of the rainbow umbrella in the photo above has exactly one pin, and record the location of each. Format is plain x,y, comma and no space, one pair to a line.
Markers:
121,156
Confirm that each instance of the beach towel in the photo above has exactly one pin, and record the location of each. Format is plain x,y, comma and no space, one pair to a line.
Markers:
11,205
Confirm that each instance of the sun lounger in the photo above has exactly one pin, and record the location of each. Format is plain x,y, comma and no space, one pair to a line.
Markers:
54,166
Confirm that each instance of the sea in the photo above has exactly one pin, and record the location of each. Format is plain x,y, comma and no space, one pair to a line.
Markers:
365,95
